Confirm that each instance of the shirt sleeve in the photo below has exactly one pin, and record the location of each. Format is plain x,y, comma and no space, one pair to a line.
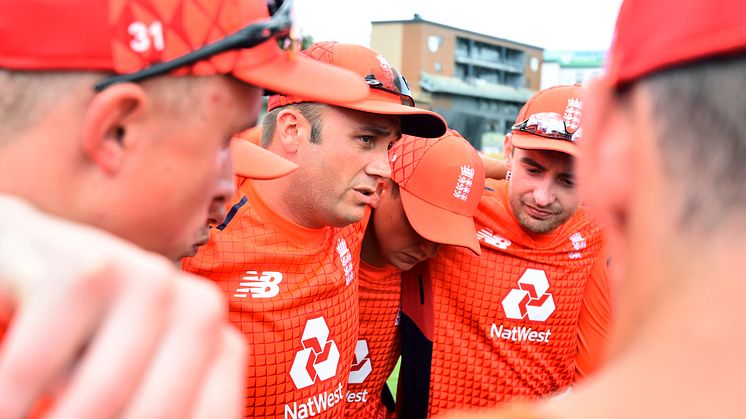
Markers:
594,322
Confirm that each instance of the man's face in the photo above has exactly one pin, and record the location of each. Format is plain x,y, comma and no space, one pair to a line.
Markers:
542,189
398,243
184,171
215,215
339,175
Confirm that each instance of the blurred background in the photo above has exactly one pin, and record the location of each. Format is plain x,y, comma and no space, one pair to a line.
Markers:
475,62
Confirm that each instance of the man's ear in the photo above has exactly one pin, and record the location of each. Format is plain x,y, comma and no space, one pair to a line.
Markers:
291,129
105,124
508,150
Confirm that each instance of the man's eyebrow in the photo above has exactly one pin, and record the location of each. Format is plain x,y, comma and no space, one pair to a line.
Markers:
375,130
532,162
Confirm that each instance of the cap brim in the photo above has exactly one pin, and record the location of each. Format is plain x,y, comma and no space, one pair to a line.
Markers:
414,121
302,76
535,142
439,225
255,162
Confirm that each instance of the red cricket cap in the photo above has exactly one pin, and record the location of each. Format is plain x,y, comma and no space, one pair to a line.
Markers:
441,181
124,36
654,35
392,97
254,161
566,102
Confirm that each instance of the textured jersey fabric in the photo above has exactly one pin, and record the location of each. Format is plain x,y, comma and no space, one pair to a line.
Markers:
511,324
293,292
509,411
378,342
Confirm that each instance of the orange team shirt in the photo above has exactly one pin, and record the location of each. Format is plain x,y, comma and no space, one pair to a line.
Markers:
519,321
293,292
378,343
518,411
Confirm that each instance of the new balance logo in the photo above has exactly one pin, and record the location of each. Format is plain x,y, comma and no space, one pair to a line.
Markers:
530,299
489,237
361,367
264,285
319,357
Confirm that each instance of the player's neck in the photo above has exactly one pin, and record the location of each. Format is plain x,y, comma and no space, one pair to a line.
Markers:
370,252
282,197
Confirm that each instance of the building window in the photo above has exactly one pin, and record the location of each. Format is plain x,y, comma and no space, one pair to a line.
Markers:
438,67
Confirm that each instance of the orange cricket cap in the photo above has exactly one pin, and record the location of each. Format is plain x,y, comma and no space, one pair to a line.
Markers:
126,36
441,181
388,92
550,120
654,35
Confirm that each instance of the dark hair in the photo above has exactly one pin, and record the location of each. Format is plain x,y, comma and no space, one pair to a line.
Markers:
699,111
310,110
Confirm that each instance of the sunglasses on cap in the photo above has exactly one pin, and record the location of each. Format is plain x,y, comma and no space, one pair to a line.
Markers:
399,87
549,125
278,26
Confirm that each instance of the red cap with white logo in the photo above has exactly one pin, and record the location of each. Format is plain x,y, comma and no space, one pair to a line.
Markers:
550,120
441,181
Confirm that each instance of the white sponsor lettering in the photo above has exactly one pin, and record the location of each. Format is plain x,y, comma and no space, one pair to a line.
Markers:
519,334
315,405
359,397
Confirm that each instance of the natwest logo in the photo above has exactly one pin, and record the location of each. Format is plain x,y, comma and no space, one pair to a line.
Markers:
314,405
361,368
319,356
530,299
264,285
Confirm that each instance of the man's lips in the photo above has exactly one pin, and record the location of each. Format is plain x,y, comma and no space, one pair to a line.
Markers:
538,213
367,195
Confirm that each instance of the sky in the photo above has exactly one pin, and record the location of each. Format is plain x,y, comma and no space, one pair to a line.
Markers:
549,24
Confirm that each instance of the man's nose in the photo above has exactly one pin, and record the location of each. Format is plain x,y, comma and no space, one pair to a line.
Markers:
544,193
379,165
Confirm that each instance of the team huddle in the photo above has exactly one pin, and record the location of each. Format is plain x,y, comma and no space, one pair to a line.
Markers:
162,255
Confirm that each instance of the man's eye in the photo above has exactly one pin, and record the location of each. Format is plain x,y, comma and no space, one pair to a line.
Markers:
569,183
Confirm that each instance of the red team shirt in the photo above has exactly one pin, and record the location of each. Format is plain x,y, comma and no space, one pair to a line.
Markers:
519,321
378,343
293,292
